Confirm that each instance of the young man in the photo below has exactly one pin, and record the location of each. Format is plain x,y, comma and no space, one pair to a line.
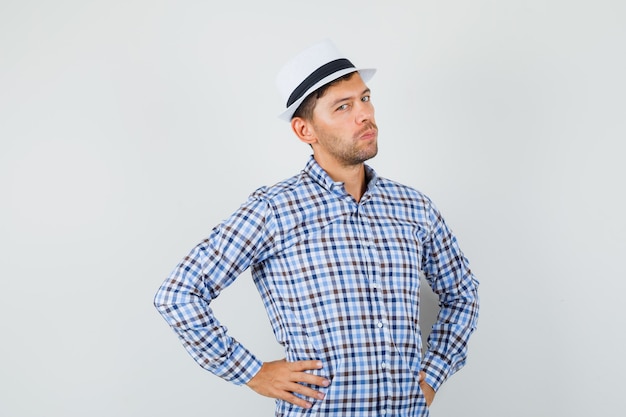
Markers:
336,253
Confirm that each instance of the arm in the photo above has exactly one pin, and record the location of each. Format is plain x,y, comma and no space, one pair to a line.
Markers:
184,297
450,277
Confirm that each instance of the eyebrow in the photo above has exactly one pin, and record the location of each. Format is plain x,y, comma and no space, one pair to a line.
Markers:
334,103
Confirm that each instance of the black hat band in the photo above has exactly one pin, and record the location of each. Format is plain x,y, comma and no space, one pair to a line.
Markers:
317,75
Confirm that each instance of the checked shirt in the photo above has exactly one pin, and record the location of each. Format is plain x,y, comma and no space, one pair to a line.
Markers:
340,281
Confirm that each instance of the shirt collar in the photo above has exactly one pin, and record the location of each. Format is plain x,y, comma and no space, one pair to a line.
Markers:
317,173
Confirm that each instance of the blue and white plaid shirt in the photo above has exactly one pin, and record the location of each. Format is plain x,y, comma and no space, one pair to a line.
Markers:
340,281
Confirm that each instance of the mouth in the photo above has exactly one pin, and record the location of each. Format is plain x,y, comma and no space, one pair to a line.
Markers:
369,134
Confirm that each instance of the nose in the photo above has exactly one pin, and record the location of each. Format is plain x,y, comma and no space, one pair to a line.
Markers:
365,113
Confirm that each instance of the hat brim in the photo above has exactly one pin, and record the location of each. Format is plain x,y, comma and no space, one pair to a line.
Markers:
365,73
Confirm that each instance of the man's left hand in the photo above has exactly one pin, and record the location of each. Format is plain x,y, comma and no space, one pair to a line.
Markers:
429,392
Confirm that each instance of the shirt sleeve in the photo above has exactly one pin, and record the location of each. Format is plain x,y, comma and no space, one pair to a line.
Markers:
448,273
184,297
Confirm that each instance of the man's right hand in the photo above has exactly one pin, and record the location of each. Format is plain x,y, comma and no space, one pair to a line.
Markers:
281,379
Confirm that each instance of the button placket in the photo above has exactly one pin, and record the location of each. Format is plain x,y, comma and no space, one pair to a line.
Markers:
381,334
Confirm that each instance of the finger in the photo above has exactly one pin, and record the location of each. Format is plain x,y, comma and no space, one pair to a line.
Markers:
310,379
306,391
305,365
299,367
290,398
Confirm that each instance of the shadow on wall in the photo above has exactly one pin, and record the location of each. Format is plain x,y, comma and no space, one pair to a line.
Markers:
429,309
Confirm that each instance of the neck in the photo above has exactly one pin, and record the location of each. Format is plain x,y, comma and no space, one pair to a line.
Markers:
352,176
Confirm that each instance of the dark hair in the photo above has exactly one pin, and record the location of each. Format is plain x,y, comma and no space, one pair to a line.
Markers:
305,110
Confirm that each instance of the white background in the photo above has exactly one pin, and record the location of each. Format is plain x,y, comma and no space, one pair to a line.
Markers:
128,129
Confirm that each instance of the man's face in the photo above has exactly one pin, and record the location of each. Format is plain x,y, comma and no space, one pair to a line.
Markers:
343,122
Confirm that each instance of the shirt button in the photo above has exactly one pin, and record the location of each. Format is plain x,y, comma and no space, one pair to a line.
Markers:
380,324
383,412
383,365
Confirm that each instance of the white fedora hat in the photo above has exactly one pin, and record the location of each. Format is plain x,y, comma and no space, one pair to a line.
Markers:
311,69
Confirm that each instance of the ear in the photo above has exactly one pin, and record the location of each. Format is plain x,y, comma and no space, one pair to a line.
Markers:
303,130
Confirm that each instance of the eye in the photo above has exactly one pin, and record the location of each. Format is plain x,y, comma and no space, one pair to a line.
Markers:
365,99
342,107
